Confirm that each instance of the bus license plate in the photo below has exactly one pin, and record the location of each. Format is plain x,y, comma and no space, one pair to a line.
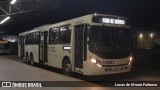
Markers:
114,68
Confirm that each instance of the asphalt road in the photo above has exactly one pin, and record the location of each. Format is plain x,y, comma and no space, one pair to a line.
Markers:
146,67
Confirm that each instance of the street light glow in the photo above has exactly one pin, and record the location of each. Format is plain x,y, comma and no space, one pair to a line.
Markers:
151,35
141,35
4,20
13,1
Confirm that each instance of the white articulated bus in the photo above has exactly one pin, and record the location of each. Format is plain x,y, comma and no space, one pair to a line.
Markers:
95,44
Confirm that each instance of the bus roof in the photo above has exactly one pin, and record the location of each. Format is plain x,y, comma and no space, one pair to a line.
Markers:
85,18
36,29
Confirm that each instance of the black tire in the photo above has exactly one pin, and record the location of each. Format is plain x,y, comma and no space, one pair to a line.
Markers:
67,68
27,59
31,60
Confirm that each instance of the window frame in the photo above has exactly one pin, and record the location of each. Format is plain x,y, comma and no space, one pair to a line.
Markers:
56,35
69,27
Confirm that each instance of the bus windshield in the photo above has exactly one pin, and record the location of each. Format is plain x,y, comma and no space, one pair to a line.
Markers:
110,42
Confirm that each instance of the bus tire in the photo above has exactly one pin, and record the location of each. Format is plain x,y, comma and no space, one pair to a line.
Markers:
32,60
67,69
27,59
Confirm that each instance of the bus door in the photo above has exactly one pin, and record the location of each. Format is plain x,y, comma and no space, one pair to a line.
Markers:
80,45
43,47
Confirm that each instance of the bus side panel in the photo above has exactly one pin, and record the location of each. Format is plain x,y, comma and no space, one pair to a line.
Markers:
56,55
32,49
36,53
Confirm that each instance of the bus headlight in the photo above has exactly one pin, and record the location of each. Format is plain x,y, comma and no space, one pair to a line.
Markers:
93,60
130,59
96,62
99,65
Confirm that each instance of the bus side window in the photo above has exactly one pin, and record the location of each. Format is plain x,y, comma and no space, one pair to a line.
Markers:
37,38
65,34
53,35
27,39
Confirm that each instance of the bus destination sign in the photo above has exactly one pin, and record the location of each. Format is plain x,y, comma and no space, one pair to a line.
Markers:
113,21
109,20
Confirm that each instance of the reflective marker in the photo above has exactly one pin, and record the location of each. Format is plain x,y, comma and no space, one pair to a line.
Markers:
66,47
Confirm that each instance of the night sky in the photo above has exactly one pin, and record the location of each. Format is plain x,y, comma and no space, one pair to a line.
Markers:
141,13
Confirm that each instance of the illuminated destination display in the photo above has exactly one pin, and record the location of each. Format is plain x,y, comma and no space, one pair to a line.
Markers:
110,20
113,21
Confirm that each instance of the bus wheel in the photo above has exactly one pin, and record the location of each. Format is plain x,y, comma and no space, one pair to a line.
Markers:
31,60
27,59
67,67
